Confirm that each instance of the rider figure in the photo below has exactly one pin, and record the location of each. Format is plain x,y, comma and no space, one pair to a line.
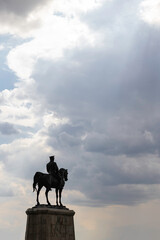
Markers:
52,169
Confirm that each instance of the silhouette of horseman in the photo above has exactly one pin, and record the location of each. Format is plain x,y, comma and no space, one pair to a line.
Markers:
53,171
55,178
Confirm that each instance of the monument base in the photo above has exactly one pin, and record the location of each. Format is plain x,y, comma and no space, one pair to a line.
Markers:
45,223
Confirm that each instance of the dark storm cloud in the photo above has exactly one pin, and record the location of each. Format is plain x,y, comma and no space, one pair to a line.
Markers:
113,155
8,129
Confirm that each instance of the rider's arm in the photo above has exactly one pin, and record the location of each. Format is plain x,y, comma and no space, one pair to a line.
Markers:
56,167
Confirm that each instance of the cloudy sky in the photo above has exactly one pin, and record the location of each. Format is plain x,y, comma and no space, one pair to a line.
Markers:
80,79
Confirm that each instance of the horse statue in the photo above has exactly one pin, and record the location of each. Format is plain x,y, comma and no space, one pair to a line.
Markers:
48,181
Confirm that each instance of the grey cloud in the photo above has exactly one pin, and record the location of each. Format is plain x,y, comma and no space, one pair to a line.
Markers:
124,194
14,16
67,135
8,129
115,181
117,170
19,7
130,143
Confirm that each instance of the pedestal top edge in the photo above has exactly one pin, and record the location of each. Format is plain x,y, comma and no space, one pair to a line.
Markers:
46,210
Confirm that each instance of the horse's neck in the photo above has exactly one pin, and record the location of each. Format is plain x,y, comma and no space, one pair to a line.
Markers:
61,172
62,175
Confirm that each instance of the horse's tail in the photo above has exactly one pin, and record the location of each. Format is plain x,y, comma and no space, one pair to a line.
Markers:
36,180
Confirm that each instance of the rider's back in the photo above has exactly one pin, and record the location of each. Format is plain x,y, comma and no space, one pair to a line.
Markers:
52,168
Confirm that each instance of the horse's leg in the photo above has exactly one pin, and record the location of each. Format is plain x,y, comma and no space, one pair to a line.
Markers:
47,190
60,194
38,191
56,196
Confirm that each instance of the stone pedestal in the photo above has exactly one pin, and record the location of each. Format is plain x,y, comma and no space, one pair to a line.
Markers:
49,224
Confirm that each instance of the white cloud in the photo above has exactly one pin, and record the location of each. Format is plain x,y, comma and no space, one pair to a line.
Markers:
49,42
50,119
24,156
149,12
17,107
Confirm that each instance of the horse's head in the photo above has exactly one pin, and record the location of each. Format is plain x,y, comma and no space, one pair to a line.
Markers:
64,173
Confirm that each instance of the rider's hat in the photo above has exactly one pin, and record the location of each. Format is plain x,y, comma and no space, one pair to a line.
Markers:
51,157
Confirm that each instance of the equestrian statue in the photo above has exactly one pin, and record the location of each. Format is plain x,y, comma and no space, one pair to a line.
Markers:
54,179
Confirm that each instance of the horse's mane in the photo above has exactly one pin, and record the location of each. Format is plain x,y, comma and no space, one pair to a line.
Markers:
62,170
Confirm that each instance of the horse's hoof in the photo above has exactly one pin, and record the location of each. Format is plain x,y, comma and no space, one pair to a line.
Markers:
37,205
